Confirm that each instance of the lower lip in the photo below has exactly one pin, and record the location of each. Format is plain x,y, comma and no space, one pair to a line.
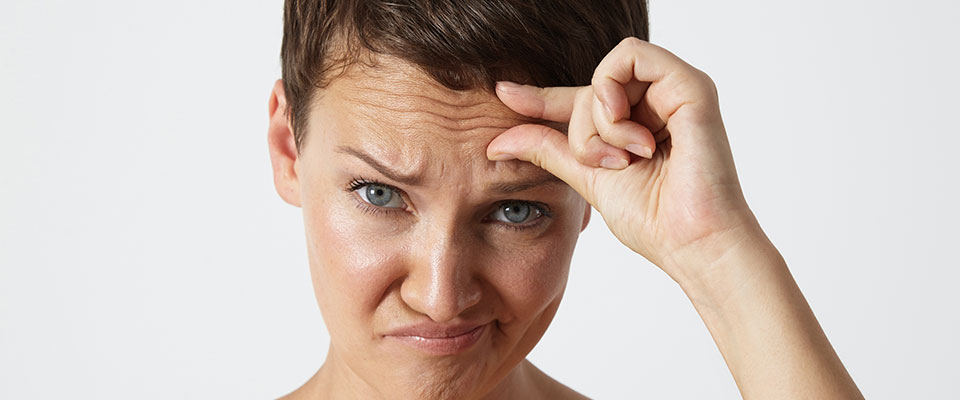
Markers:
444,346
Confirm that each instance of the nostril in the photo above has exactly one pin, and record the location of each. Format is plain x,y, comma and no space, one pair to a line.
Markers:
471,297
441,300
447,304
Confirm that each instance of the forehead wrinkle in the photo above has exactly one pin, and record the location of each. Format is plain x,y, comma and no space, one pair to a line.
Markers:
430,123
414,111
419,149
387,149
467,138
422,126
417,136
463,165
403,91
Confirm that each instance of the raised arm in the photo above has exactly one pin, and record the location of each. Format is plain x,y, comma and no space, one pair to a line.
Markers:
646,146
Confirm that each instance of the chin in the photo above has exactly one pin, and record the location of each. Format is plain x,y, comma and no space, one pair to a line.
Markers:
468,374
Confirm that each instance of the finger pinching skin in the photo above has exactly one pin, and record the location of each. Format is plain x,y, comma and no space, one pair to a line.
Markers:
625,133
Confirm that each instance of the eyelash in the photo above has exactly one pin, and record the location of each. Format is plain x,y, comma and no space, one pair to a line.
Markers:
368,208
359,182
544,211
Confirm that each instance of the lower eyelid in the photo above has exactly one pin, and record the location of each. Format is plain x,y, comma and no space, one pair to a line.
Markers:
542,219
366,207
521,228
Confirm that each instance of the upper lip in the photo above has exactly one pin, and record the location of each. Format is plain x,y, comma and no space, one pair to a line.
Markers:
434,330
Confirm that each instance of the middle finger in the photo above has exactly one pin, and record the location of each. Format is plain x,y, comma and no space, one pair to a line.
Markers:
585,142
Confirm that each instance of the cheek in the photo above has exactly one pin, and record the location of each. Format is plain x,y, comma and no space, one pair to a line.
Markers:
530,278
351,267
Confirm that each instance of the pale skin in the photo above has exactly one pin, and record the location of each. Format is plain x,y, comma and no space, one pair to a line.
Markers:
441,255
645,146
682,209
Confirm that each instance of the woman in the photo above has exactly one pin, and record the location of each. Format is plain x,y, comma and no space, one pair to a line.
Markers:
441,215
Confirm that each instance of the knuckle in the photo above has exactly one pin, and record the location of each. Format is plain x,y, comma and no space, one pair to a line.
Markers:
696,82
540,107
705,79
631,42
610,135
579,151
706,82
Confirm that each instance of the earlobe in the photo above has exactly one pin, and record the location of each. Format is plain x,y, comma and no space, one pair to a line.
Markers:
586,216
283,148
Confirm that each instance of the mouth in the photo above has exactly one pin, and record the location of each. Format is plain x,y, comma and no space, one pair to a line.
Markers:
439,340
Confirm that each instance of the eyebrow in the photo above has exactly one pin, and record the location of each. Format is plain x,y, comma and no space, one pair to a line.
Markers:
417,179
411,180
521,185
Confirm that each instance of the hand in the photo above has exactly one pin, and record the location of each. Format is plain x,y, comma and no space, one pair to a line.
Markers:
647,148
681,207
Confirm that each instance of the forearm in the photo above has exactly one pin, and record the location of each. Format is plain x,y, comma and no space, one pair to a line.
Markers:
764,328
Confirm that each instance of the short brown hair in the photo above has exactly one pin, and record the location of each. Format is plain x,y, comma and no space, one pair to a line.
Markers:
463,44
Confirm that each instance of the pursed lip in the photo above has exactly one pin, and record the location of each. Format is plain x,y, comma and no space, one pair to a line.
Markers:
439,339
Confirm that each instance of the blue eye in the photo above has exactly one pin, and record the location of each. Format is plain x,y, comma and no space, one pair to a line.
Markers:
380,195
517,212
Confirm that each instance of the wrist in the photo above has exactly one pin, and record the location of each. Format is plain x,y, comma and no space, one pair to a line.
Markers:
764,328
746,260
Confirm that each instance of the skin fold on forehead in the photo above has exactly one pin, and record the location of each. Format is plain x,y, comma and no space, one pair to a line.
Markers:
407,120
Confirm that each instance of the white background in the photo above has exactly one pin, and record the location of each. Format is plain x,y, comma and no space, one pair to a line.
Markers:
145,254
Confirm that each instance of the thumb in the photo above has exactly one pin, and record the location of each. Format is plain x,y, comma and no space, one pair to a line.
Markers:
546,148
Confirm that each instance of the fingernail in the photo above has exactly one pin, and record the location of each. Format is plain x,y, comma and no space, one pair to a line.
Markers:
508,86
503,157
640,150
613,163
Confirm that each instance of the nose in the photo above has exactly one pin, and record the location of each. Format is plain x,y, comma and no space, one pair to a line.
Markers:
441,281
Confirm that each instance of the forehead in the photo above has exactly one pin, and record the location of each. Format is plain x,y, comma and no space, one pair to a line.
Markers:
404,118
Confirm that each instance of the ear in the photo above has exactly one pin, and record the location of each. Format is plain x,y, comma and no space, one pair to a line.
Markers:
586,216
283,148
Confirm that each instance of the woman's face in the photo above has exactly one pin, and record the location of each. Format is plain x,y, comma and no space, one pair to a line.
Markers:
436,270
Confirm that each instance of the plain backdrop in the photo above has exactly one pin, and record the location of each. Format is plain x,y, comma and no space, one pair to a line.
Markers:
145,254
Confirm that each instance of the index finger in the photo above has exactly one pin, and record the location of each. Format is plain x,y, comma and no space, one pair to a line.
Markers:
549,103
